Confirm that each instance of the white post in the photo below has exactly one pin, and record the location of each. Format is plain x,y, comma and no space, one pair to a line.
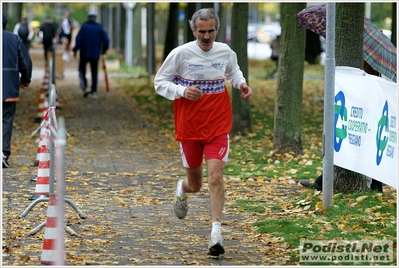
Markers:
328,130
129,34
368,10
60,172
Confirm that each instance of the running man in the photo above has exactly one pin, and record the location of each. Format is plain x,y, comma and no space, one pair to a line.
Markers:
193,76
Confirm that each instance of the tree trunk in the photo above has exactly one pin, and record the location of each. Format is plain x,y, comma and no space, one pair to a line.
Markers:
188,33
207,5
172,36
394,24
151,62
349,52
138,59
241,111
221,37
288,107
13,11
349,23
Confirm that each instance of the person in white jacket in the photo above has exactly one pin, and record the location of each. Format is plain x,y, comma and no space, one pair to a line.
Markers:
24,31
193,76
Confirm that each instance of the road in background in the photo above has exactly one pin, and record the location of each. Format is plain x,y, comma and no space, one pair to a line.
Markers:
260,51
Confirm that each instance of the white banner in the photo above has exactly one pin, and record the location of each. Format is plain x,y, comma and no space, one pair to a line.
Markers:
366,134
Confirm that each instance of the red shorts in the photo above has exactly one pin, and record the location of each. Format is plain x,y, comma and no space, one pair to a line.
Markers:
192,152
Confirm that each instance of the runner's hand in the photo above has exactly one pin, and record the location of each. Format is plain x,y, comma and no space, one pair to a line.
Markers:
193,93
246,91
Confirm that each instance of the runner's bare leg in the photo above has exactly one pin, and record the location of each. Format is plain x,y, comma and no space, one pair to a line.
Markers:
193,183
216,188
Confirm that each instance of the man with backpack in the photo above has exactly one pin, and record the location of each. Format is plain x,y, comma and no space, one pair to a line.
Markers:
24,31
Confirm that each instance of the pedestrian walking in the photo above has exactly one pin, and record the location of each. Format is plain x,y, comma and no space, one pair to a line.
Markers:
193,76
24,31
92,40
66,28
48,33
17,72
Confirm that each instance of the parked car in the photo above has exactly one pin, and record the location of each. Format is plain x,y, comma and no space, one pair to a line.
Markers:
252,32
267,33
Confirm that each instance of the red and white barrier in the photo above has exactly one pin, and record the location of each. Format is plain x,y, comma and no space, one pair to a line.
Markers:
49,253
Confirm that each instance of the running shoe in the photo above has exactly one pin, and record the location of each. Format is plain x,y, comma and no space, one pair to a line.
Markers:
65,57
5,162
215,247
180,205
86,92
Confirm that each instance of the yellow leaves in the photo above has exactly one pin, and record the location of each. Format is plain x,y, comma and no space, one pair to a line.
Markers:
229,203
307,207
260,179
319,205
308,163
24,258
154,202
344,227
359,201
121,202
274,180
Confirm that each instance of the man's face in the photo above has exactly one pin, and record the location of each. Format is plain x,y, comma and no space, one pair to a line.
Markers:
205,33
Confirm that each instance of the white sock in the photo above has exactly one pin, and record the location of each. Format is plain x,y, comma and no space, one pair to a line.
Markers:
180,191
216,227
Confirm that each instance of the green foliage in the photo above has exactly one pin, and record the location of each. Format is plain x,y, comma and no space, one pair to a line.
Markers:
357,216
157,107
381,15
252,154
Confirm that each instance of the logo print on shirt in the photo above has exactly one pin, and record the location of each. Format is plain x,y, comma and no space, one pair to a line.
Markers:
192,66
197,76
218,65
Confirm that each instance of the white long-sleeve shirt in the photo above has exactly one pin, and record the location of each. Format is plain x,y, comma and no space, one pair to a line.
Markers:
191,64
188,65
31,32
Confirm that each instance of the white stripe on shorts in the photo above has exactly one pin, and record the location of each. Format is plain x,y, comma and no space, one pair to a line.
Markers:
183,157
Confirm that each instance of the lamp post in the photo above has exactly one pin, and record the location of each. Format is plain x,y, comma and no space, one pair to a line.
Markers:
129,33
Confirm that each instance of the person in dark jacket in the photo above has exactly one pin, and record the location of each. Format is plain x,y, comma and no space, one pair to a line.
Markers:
16,62
92,40
275,46
49,33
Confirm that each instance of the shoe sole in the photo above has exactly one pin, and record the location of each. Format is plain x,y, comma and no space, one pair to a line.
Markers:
6,165
216,250
179,216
